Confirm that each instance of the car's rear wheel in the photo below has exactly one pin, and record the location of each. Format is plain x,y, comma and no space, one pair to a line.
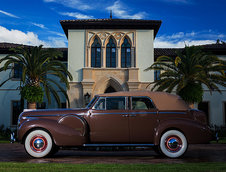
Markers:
173,144
38,144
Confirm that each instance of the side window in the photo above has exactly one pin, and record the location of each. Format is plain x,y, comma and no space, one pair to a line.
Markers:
115,103
17,72
100,105
143,103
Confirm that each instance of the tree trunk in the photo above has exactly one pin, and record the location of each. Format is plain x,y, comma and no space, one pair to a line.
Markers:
31,105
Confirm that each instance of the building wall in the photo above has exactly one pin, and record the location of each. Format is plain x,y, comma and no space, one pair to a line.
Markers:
8,93
145,54
216,106
216,103
76,53
96,80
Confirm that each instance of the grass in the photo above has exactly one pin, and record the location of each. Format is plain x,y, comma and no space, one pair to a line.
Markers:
4,139
193,167
222,140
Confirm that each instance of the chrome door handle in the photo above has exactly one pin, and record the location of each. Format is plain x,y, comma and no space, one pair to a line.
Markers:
132,115
125,115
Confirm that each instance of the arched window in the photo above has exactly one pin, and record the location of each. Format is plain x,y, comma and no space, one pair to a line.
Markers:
126,54
96,54
111,54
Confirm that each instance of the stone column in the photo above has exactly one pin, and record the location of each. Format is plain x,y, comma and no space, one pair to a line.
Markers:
103,57
88,57
118,57
133,60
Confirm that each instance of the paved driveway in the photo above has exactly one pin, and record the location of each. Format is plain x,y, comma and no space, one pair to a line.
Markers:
196,153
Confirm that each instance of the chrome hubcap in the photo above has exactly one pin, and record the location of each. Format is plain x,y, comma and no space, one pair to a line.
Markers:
38,143
173,144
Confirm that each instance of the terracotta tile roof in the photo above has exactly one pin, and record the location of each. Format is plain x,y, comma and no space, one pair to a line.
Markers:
5,49
217,49
10,45
166,51
215,46
111,24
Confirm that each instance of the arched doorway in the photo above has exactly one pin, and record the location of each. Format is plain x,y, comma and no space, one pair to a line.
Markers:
110,89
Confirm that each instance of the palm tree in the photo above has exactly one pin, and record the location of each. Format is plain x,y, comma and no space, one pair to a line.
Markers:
188,72
39,67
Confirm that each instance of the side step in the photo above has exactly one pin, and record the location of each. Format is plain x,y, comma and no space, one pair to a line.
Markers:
118,145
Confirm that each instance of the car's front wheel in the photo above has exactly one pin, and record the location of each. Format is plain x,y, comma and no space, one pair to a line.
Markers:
38,143
173,144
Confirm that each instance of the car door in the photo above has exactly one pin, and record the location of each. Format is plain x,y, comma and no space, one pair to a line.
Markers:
142,120
109,122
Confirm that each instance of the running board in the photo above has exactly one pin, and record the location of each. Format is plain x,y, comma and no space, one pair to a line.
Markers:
118,145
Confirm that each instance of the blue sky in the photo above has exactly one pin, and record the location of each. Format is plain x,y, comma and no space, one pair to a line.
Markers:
190,22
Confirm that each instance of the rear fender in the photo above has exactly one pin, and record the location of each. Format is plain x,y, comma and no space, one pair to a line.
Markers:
193,131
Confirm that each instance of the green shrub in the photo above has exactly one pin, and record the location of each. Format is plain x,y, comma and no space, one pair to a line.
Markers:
32,93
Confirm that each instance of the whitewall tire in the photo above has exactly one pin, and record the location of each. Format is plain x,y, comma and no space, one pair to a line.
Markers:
173,144
38,143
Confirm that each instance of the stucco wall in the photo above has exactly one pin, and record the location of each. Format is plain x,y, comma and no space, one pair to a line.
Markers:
145,54
76,53
8,93
216,106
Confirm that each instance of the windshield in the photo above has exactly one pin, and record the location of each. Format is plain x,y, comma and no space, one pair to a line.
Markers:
91,102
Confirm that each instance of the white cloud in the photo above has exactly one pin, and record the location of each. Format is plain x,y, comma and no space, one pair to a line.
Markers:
57,42
57,33
161,43
9,14
29,38
16,36
42,26
121,12
77,15
75,4
178,40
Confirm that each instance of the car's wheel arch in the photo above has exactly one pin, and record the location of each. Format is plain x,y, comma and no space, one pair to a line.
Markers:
36,128
159,134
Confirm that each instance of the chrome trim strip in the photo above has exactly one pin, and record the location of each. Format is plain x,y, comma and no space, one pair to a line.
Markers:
124,113
34,116
172,112
111,145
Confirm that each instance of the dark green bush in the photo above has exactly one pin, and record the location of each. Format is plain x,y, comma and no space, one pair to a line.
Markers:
32,93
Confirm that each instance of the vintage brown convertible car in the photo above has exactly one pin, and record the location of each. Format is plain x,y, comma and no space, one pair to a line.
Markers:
140,118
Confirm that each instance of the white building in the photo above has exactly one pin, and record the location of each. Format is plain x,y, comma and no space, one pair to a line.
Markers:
10,103
107,55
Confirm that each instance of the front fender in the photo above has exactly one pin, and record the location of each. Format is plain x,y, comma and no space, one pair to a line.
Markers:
193,131
69,130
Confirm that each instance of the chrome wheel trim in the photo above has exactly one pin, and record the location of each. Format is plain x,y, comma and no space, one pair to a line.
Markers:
169,149
38,143
173,144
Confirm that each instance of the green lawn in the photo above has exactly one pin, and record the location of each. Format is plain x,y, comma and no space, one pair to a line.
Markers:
193,167
4,140
221,141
